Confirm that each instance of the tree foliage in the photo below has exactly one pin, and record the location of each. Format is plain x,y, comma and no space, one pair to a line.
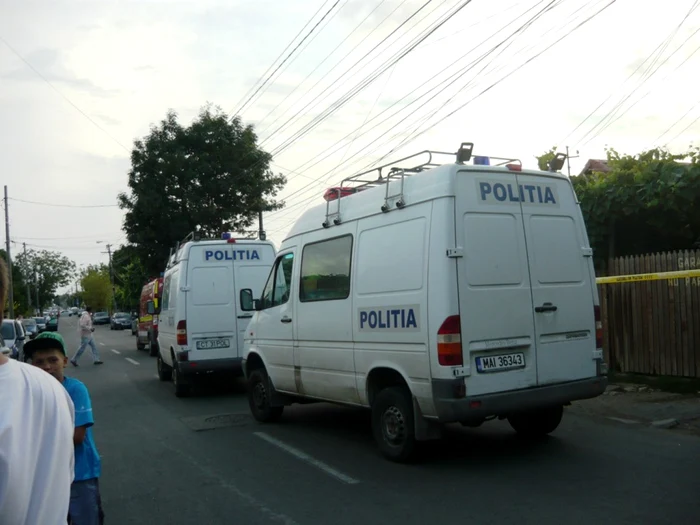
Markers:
46,269
130,275
644,204
210,176
97,287
544,159
20,290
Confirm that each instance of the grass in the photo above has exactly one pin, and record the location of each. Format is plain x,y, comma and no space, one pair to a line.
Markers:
677,385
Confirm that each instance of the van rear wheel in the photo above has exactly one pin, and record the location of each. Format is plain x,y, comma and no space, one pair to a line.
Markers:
393,424
259,397
182,387
537,423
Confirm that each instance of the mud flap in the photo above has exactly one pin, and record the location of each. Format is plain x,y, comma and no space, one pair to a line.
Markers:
424,429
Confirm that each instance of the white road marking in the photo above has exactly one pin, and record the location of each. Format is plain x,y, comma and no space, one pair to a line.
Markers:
116,351
305,457
102,344
132,361
156,376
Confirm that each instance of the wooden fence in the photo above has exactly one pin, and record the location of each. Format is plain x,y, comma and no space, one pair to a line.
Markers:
653,327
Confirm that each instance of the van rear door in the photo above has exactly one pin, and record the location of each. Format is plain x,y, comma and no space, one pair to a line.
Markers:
495,301
561,270
211,303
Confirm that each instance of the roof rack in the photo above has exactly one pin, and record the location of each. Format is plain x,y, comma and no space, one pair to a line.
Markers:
364,180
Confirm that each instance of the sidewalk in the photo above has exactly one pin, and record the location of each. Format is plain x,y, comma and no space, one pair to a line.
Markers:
635,404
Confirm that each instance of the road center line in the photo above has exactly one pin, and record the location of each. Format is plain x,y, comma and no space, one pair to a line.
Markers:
308,459
116,351
102,344
132,361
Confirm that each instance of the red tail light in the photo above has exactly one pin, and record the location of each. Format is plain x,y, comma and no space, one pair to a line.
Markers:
598,328
449,342
182,333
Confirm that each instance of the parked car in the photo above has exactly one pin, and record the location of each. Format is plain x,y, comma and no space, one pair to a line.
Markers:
41,323
31,327
14,336
120,321
52,324
100,318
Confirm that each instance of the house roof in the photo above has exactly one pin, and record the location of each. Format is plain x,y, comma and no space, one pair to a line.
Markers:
595,165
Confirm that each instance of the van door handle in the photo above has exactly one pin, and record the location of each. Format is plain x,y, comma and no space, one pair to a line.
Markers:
546,307
286,319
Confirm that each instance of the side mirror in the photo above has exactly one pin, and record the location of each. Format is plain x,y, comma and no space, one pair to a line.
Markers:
247,301
150,307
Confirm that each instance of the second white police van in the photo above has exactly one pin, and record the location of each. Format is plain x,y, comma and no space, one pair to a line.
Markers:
203,315
433,295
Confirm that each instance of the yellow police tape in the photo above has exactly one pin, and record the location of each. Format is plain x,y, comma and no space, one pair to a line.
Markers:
682,274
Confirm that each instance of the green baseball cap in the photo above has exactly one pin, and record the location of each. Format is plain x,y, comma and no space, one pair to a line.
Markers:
45,341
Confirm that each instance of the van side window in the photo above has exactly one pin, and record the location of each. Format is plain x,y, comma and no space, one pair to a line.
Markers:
166,292
325,270
278,285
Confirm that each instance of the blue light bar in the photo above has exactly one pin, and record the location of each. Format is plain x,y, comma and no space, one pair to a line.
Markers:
481,161
226,236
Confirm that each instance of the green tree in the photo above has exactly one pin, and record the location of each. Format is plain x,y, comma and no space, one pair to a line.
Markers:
46,269
210,176
97,287
646,203
129,276
544,159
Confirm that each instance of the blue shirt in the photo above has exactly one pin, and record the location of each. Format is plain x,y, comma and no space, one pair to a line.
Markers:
87,460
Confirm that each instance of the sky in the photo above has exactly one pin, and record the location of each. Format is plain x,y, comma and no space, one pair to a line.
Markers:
80,81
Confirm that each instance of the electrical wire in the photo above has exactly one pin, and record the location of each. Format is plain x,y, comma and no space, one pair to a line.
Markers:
276,59
64,205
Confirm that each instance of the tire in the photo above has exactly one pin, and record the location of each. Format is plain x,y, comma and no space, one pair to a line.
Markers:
393,424
140,346
259,398
182,388
165,373
537,423
153,350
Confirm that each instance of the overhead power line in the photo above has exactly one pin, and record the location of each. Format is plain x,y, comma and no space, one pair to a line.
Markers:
65,205
288,56
64,97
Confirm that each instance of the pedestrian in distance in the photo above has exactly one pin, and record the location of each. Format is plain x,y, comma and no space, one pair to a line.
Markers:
48,352
86,329
37,424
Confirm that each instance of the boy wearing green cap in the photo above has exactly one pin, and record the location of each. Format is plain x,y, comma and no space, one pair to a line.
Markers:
48,352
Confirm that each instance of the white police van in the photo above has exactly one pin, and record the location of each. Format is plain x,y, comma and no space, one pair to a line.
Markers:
436,294
203,314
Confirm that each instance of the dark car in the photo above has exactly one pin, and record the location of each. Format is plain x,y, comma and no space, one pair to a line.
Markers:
100,318
30,327
52,324
120,321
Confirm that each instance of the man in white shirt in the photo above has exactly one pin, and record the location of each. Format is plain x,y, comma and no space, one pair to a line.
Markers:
85,329
37,456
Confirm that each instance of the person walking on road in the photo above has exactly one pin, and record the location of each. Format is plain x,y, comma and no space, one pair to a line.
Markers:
37,455
86,338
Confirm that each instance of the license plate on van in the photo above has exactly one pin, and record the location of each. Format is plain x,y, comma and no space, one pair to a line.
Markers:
496,363
211,344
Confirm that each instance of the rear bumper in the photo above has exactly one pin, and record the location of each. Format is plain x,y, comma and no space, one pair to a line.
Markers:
210,366
451,409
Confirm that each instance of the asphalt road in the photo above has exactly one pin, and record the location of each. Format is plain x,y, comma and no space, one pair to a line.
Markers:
163,463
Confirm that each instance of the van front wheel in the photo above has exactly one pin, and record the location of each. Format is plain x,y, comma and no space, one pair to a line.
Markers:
259,397
537,423
392,424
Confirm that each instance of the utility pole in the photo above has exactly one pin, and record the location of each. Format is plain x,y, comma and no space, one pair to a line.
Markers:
10,293
568,166
29,293
111,278
36,286
261,231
